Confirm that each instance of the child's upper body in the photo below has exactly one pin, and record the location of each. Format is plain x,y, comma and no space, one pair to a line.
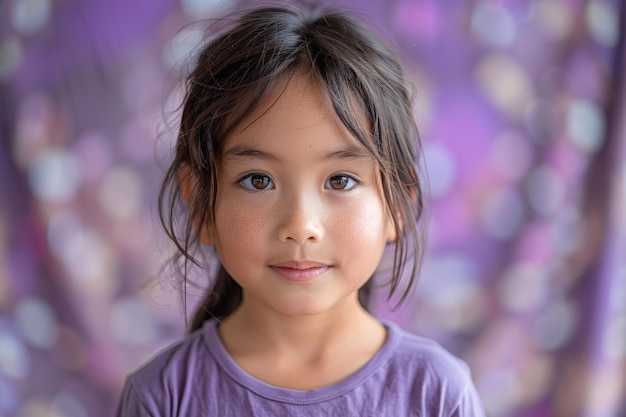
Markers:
296,162
408,376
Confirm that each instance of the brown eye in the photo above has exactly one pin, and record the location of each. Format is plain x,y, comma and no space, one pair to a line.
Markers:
341,183
257,182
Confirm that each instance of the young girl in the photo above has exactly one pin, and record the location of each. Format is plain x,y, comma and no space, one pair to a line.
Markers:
295,161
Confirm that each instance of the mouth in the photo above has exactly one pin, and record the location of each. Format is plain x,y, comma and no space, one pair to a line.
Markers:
300,271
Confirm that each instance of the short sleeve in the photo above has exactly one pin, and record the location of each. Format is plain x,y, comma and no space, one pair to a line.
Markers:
130,403
470,404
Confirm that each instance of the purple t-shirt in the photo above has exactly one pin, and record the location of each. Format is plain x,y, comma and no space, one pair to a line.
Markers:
409,376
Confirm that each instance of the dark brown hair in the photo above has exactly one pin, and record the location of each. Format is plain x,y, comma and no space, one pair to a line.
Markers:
245,63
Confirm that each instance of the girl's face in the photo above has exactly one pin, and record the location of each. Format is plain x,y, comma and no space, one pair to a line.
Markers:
300,221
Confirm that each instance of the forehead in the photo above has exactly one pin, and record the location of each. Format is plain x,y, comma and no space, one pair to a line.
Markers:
298,109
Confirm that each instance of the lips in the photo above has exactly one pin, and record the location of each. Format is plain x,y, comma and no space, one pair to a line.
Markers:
300,271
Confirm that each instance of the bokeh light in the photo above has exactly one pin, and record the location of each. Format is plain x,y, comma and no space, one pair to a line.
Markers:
94,155
567,230
54,176
523,288
92,264
493,24
120,193
555,17
503,213
30,16
132,322
585,125
546,190
555,325
603,21
512,155
505,83
14,359
197,9
32,130
37,322
180,48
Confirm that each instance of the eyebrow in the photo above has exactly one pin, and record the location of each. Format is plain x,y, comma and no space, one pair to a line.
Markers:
246,151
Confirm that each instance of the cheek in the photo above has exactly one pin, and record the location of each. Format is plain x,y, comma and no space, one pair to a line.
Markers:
237,227
364,224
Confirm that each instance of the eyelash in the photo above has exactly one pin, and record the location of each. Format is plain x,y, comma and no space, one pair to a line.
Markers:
243,182
350,178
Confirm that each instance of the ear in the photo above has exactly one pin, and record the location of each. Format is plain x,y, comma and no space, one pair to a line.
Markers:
188,187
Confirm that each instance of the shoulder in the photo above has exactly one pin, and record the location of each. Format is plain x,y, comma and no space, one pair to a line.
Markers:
431,357
166,381
432,375
173,360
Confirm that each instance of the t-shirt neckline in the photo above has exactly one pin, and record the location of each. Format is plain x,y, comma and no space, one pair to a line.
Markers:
241,377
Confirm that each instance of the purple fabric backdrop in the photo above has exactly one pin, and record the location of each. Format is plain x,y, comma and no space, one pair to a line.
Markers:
522,114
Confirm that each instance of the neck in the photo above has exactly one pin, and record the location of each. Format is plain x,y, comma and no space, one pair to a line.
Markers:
251,330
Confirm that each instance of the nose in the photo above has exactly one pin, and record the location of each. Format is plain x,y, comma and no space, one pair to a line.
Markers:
300,221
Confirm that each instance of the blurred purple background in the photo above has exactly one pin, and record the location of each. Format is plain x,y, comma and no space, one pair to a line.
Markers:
521,106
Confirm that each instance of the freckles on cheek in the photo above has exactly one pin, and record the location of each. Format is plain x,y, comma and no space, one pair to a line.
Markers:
364,223
235,222
240,227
